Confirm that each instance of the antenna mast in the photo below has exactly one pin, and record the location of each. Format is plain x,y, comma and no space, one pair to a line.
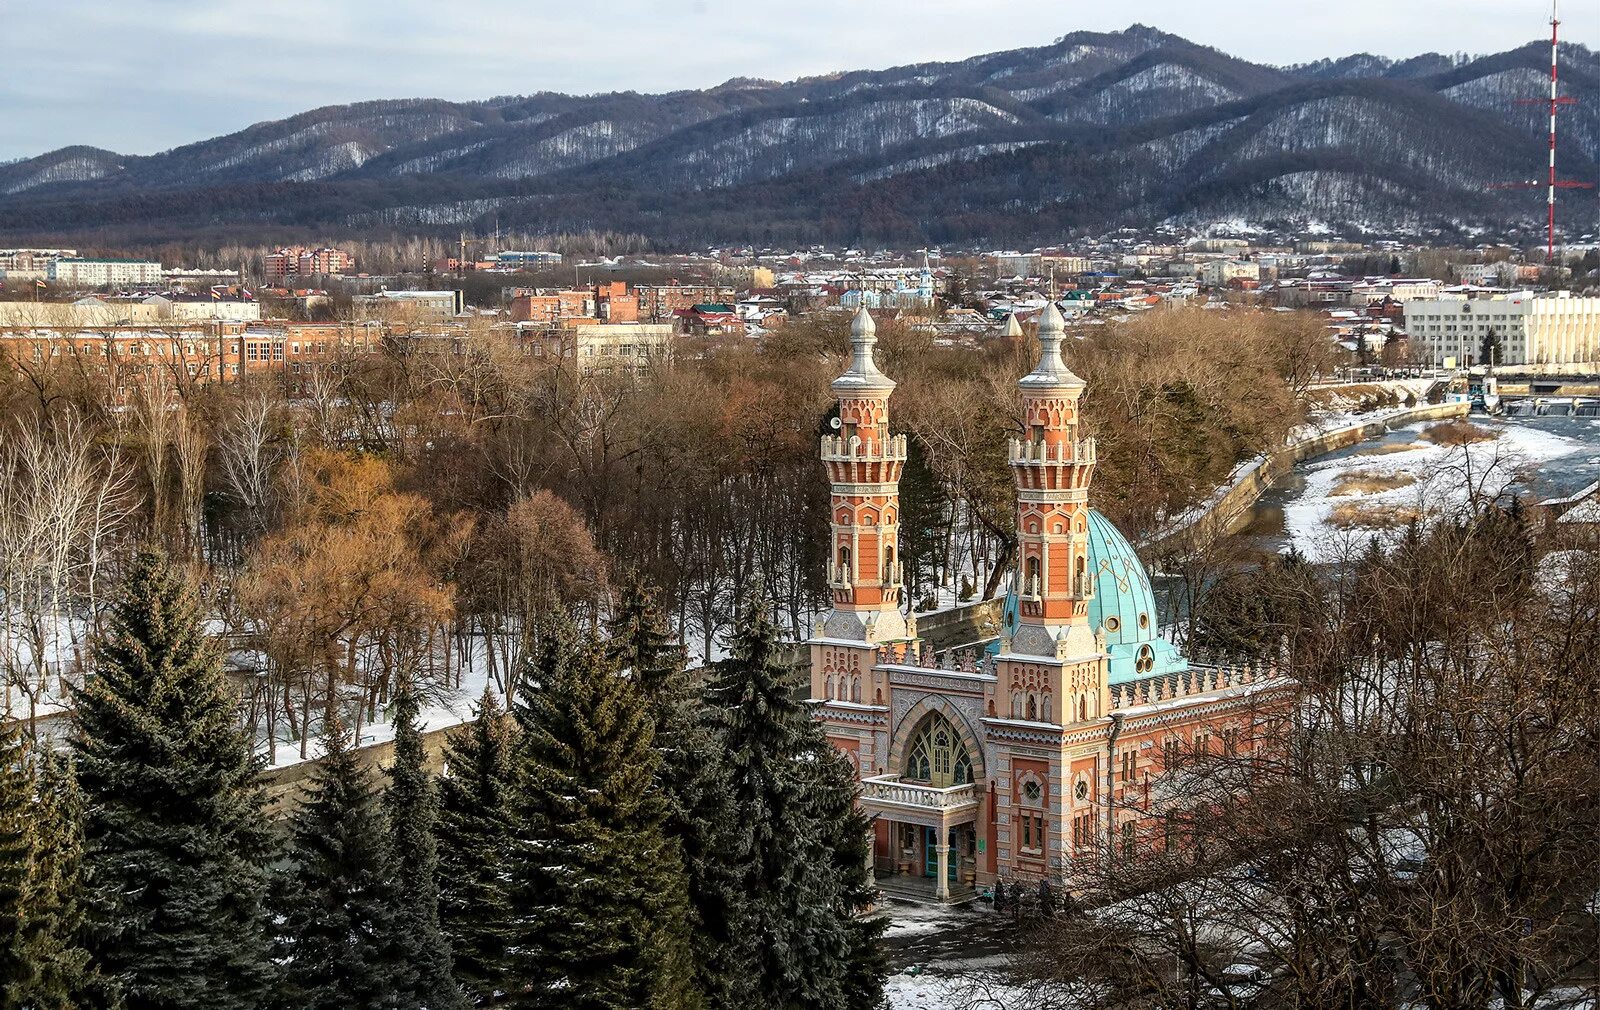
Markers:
1555,102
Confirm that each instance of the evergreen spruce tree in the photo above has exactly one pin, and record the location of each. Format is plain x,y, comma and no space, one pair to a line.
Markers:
474,834
639,643
66,980
842,830
799,944
693,783
597,891
413,813
176,844
803,853
339,908
18,969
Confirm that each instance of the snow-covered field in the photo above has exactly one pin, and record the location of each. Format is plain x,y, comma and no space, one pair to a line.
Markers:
1349,498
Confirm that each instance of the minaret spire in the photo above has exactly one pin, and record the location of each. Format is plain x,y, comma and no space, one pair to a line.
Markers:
864,463
1052,468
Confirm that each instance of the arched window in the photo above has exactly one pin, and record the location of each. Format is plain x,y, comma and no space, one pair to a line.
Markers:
1046,710
855,689
936,755
828,691
888,562
1016,704
844,563
1033,707
1032,584
1083,708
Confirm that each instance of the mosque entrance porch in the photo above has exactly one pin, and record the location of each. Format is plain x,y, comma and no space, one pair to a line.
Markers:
925,843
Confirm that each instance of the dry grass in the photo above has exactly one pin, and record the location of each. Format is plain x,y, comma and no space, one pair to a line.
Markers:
1355,515
1386,448
1458,433
1366,482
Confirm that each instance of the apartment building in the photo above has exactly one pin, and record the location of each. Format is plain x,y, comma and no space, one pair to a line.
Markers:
1554,328
595,346
299,261
30,264
72,271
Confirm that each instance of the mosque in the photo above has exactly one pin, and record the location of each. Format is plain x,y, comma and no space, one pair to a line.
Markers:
1045,750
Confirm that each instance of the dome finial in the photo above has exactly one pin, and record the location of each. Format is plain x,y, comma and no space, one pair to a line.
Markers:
1051,372
863,374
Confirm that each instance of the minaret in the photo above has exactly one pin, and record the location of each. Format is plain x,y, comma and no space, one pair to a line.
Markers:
1052,468
864,463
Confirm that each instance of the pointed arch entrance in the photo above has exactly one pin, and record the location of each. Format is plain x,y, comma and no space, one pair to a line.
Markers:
937,756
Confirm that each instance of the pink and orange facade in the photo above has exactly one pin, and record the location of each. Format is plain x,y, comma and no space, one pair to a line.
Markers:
1047,749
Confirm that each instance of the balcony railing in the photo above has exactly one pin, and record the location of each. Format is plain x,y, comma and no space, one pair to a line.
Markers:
837,449
891,789
1030,451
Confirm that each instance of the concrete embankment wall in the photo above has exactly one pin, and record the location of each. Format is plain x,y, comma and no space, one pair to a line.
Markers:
1230,510
286,783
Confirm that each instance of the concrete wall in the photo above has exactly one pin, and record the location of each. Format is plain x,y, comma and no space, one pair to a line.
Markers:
961,626
286,783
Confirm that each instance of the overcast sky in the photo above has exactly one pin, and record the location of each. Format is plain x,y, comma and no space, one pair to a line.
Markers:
139,76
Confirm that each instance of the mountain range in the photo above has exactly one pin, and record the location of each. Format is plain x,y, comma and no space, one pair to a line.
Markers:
1096,131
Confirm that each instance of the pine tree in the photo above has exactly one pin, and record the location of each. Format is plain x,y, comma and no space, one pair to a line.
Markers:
176,846
413,812
598,895
693,783
474,834
339,908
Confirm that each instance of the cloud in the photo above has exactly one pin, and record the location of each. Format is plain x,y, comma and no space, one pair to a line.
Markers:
139,76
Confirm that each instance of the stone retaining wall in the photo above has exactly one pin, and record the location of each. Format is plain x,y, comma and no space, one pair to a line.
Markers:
1230,510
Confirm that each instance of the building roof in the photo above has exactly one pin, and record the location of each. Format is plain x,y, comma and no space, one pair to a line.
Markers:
1122,606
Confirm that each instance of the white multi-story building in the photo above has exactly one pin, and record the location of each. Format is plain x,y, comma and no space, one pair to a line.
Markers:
92,273
1218,273
1533,329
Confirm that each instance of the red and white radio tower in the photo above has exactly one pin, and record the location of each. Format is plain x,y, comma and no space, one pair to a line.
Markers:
1555,102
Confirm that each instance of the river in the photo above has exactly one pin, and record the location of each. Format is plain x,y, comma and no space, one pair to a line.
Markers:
1326,503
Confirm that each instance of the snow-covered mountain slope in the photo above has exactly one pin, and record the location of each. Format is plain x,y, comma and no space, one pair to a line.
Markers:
1128,127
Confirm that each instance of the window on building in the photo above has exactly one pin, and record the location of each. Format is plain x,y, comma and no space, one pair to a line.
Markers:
1033,836
1171,749
1130,838
1130,765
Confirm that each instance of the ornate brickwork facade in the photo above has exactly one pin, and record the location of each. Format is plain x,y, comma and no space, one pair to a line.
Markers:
1042,752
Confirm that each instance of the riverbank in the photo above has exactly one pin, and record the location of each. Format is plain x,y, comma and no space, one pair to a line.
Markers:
1229,507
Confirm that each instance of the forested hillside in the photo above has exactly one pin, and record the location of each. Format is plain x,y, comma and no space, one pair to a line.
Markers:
1095,130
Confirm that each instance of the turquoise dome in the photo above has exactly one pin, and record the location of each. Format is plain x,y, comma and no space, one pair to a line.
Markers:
1123,607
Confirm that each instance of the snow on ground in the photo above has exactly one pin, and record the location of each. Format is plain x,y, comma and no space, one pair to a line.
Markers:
949,958
448,707
967,985
1431,481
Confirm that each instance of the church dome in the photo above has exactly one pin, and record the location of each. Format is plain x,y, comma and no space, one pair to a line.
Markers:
1123,607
